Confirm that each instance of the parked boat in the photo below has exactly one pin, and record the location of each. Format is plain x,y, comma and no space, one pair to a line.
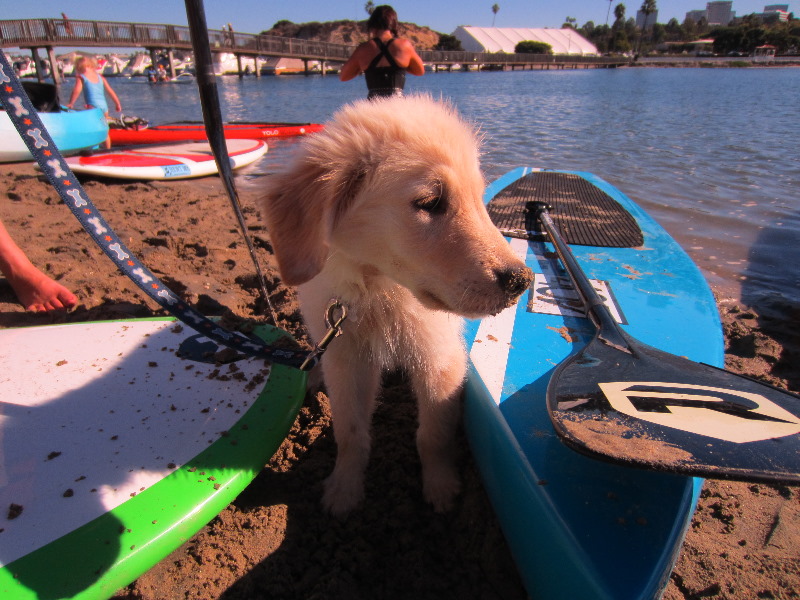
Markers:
184,77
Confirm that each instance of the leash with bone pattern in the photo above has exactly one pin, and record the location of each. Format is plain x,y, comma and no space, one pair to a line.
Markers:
30,127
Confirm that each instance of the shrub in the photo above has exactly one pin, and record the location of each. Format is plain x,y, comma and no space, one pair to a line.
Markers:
531,47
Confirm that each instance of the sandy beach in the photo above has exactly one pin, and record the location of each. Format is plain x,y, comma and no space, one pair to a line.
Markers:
274,541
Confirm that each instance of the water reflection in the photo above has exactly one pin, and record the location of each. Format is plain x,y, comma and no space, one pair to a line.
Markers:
700,149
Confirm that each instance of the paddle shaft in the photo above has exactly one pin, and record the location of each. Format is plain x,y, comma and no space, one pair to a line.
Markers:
607,329
212,115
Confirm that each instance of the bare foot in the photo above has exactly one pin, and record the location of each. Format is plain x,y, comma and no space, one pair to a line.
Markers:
38,293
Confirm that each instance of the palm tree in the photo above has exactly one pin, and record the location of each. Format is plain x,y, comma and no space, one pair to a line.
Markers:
369,7
495,8
619,12
647,9
617,29
608,12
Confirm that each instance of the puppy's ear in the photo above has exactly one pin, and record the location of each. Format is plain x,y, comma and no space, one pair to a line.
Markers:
301,209
296,209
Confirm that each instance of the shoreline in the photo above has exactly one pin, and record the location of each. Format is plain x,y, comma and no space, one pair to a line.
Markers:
274,541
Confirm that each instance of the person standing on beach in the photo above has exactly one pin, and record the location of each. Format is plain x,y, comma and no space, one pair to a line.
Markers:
385,58
94,87
36,291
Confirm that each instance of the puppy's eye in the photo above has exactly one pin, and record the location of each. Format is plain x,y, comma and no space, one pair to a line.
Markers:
433,204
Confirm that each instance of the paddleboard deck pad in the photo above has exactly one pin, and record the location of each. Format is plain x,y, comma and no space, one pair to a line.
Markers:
168,161
584,213
579,527
119,441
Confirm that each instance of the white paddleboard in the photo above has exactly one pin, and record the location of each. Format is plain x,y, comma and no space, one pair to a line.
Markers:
181,160
115,449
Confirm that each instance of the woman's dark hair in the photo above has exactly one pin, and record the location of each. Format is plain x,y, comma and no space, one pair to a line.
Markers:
383,17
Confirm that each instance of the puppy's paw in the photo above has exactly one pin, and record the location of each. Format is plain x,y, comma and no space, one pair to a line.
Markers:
440,488
342,495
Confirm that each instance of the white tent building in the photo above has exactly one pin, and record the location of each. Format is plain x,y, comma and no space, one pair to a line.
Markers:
505,39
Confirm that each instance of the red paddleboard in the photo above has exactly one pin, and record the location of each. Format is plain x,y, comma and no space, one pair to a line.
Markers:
167,161
191,130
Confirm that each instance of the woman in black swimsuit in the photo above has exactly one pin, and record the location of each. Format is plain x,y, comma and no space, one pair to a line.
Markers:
385,58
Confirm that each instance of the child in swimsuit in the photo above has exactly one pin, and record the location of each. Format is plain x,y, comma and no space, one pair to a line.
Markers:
94,87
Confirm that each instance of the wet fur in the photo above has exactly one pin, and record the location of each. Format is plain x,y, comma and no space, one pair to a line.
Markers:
383,211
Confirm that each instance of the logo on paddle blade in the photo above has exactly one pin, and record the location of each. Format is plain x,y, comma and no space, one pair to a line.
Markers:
725,414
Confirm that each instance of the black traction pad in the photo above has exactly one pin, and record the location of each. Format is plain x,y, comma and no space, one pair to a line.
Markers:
584,214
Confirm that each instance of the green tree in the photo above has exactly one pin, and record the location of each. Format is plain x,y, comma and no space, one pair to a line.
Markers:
369,7
597,34
658,34
620,41
569,23
531,47
673,30
749,33
495,9
449,42
630,28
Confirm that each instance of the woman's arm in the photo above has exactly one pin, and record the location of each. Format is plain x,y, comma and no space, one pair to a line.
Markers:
415,66
353,67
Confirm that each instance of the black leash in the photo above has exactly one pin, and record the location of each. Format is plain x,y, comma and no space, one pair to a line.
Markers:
212,116
27,122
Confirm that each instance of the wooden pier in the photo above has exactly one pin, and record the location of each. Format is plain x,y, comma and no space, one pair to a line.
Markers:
47,34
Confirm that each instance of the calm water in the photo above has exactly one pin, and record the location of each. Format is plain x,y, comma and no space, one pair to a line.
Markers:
712,154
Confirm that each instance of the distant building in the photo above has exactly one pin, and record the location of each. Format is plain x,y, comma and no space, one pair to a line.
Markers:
781,10
695,15
720,13
651,19
765,53
505,39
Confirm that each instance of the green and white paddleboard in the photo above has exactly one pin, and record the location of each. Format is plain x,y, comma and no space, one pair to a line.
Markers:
118,441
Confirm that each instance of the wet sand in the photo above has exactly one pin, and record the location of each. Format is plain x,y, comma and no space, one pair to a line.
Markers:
274,541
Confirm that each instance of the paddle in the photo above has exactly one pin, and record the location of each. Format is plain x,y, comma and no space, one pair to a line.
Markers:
621,400
212,115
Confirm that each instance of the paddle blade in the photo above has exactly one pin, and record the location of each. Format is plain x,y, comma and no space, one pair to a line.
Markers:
652,409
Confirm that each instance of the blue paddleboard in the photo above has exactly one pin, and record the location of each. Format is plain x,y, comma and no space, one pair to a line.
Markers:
579,527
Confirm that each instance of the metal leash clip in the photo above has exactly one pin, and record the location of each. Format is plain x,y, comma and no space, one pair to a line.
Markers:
334,325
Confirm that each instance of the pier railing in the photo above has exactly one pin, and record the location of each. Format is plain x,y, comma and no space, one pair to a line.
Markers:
40,33
50,33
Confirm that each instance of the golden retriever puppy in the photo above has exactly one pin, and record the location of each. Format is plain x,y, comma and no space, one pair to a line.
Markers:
383,212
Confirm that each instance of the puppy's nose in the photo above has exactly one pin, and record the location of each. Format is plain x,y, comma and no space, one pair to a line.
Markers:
514,281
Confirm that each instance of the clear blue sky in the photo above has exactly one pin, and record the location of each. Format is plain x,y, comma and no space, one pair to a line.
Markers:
252,16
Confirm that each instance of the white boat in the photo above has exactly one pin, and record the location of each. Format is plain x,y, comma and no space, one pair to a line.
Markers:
184,77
